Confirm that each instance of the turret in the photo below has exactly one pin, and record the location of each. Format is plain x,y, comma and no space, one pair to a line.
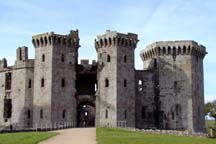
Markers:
22,53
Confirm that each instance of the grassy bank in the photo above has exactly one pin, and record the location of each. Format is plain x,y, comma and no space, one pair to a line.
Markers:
118,136
25,137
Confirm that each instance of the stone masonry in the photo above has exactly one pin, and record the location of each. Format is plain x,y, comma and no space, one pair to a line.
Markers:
168,94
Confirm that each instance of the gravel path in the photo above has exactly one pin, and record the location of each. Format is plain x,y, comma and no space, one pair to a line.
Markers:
73,136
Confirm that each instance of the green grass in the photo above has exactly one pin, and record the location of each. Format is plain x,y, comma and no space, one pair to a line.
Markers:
24,137
118,136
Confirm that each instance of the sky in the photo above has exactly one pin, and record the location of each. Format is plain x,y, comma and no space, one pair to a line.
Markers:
152,20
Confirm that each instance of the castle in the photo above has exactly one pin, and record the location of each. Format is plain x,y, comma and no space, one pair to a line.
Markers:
53,88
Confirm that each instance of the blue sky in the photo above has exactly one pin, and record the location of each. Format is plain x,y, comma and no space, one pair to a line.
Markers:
152,20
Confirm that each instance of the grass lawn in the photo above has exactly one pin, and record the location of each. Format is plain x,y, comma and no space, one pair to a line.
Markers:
24,137
118,136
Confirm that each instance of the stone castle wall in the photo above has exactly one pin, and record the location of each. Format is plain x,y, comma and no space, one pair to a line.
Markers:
167,94
175,67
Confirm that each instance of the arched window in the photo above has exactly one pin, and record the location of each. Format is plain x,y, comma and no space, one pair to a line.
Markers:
108,58
41,113
42,82
43,57
63,113
106,82
106,113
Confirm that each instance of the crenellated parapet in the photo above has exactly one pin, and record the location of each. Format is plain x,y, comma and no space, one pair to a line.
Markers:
113,38
46,39
173,48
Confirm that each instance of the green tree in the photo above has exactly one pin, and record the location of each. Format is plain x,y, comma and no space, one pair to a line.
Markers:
207,108
213,110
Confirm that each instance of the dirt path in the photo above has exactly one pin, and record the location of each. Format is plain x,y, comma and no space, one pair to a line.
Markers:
73,136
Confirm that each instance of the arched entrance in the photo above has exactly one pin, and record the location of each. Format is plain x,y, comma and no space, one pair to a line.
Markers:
86,114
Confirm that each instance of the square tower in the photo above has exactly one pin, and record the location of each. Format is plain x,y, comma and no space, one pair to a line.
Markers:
54,77
115,100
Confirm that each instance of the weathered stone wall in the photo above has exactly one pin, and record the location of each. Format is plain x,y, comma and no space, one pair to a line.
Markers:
167,94
3,70
198,94
22,94
116,64
106,96
175,68
42,95
145,105
59,74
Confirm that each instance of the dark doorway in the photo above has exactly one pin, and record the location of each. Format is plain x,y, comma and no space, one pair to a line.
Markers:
85,115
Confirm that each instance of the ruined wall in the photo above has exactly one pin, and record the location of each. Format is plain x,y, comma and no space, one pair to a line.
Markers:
3,70
22,93
116,94
18,92
175,68
145,105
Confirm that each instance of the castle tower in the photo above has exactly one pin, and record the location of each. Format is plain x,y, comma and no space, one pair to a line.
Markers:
22,53
54,77
179,89
115,100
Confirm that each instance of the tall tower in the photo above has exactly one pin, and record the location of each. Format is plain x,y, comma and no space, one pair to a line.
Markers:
179,89
54,77
115,100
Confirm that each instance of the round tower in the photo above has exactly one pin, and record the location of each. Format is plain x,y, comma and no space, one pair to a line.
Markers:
115,101
179,89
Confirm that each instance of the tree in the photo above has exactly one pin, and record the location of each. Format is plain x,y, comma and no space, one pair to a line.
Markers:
207,108
213,110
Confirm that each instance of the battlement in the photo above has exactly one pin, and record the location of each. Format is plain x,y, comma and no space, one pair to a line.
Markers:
184,47
113,38
50,38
